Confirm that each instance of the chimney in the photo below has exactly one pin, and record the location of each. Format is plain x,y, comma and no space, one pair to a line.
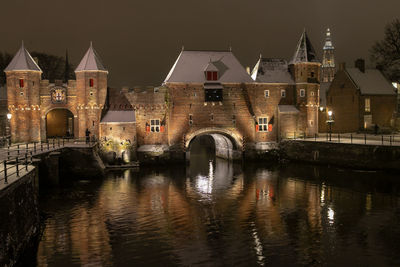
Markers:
360,64
342,66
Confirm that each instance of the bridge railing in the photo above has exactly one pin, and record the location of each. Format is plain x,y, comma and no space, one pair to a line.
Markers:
18,156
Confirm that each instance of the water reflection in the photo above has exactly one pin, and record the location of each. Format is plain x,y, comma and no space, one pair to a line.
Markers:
215,213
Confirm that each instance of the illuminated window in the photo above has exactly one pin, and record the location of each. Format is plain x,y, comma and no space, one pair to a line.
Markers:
266,93
302,93
190,119
21,83
91,82
155,125
367,105
283,93
263,124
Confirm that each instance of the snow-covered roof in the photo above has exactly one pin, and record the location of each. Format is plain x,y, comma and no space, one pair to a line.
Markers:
190,65
371,82
322,93
22,61
304,51
271,70
90,61
287,109
119,116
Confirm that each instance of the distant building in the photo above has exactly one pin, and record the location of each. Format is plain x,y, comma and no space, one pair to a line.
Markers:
361,98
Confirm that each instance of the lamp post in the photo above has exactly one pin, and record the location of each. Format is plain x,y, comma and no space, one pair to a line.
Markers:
329,121
9,116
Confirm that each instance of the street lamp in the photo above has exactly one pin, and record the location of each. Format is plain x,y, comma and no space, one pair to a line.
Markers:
329,121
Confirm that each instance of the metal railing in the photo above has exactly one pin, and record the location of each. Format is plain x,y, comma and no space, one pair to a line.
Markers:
347,138
17,156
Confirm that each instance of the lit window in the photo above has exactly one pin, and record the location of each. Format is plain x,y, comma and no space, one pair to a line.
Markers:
91,82
302,93
21,83
155,125
190,119
283,93
367,105
263,124
266,93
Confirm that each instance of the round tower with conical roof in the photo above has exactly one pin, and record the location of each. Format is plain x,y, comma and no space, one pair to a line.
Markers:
91,91
23,83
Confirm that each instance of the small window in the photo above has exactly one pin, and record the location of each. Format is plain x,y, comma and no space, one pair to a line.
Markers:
110,128
367,105
92,123
234,120
266,93
190,119
211,117
311,122
21,93
123,128
91,93
263,124
212,75
302,93
91,82
283,93
213,95
21,83
312,74
155,125
312,93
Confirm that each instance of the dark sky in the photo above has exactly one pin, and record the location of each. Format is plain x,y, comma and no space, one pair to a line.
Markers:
139,40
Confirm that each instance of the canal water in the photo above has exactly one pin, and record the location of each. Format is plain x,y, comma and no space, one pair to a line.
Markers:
215,213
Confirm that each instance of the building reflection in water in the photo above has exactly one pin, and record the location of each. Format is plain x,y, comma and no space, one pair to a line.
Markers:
213,212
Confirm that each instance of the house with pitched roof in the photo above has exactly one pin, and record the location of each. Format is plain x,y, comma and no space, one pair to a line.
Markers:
360,98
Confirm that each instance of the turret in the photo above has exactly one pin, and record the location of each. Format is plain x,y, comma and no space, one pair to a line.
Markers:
91,81
23,81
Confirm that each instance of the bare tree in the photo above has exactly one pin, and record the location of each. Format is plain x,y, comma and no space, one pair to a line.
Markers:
386,53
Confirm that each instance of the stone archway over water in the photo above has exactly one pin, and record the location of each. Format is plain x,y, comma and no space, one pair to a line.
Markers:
224,145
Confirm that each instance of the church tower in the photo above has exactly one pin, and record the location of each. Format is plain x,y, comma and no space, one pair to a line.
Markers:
305,70
23,83
91,91
328,59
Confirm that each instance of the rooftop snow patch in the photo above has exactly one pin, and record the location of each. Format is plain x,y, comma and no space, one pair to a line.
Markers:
90,61
119,116
271,70
190,66
371,82
22,61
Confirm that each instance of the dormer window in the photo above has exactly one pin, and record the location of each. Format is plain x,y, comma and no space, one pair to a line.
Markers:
212,75
21,83
91,82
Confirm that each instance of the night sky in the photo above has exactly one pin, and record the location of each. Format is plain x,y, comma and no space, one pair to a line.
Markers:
139,41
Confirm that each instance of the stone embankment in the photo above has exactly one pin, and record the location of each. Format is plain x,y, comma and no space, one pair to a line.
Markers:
358,156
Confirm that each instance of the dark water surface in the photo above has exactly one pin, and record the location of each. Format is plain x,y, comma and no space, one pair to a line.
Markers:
213,213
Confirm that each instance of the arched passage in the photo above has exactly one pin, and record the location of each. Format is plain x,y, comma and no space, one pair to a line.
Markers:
220,144
59,123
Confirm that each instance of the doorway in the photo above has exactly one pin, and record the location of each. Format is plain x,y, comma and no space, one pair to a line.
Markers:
60,123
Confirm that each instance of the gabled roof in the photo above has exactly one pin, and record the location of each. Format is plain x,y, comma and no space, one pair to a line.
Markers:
371,82
304,51
190,66
119,116
271,70
90,61
22,61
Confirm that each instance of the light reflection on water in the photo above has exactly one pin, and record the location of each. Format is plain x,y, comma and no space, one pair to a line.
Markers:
214,213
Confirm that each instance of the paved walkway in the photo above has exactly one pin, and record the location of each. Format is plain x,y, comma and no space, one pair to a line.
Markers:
355,138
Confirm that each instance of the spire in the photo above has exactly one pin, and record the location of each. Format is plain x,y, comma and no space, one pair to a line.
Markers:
90,61
22,61
304,51
328,40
